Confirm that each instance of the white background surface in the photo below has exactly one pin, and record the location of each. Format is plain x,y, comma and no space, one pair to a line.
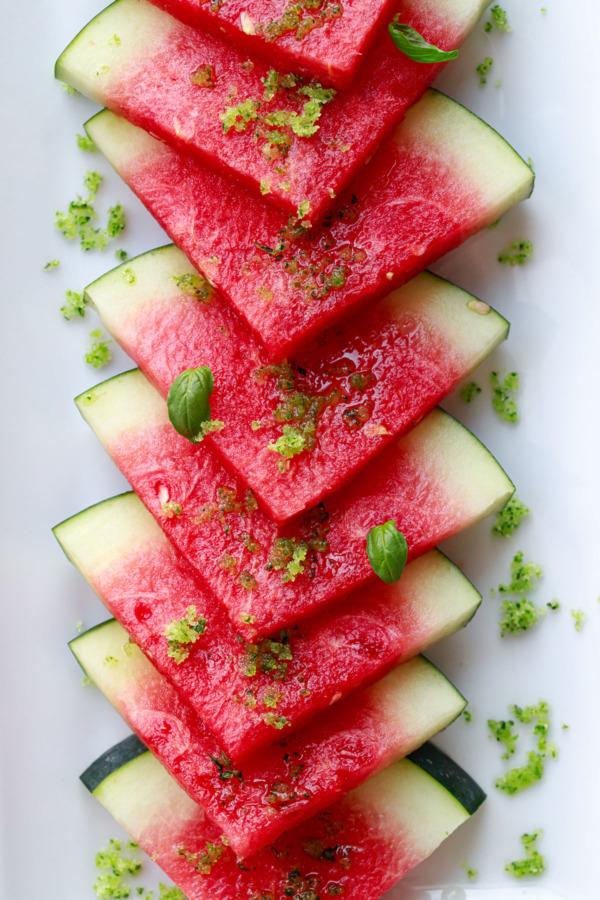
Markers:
52,466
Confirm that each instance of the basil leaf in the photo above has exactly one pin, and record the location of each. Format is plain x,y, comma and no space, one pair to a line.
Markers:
414,45
187,402
387,551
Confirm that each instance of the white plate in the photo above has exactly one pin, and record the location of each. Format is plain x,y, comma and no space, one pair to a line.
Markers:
52,466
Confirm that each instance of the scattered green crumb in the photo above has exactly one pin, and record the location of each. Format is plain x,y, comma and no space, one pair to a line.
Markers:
84,142
118,862
289,556
498,20
77,222
303,209
515,780
186,630
503,401
469,391
291,443
74,305
579,616
116,221
553,604
79,626
225,767
171,510
278,722
467,715
522,777
564,727
524,576
265,186
255,425
517,253
519,614
128,276
509,518
247,619
502,732
52,264
98,353
472,874
534,863
86,681
483,68
122,255
68,89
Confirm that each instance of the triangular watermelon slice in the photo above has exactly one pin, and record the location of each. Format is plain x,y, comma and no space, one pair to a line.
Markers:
146,584
347,396
326,39
357,849
178,82
442,176
434,482
256,801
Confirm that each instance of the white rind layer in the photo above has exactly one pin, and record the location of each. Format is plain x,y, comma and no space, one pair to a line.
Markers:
126,30
477,155
101,535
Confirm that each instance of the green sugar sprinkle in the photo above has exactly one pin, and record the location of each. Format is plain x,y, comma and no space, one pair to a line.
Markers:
74,305
483,68
517,253
510,517
503,401
518,779
524,576
469,391
184,631
534,863
579,617
498,20
84,142
98,353
77,222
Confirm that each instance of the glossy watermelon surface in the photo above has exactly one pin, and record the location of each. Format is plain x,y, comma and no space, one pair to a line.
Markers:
355,389
434,482
151,78
232,685
357,849
287,782
330,49
415,201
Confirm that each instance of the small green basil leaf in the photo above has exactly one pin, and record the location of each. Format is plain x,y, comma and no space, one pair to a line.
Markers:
187,402
387,551
414,45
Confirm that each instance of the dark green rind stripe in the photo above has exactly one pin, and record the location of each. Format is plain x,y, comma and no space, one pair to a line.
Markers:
450,775
118,756
84,634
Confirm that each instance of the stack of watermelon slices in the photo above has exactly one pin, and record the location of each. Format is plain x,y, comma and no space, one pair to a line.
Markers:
304,208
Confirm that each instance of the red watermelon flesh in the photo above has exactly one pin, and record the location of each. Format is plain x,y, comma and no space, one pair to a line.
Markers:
440,178
434,482
148,78
287,782
374,377
357,849
146,584
331,51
